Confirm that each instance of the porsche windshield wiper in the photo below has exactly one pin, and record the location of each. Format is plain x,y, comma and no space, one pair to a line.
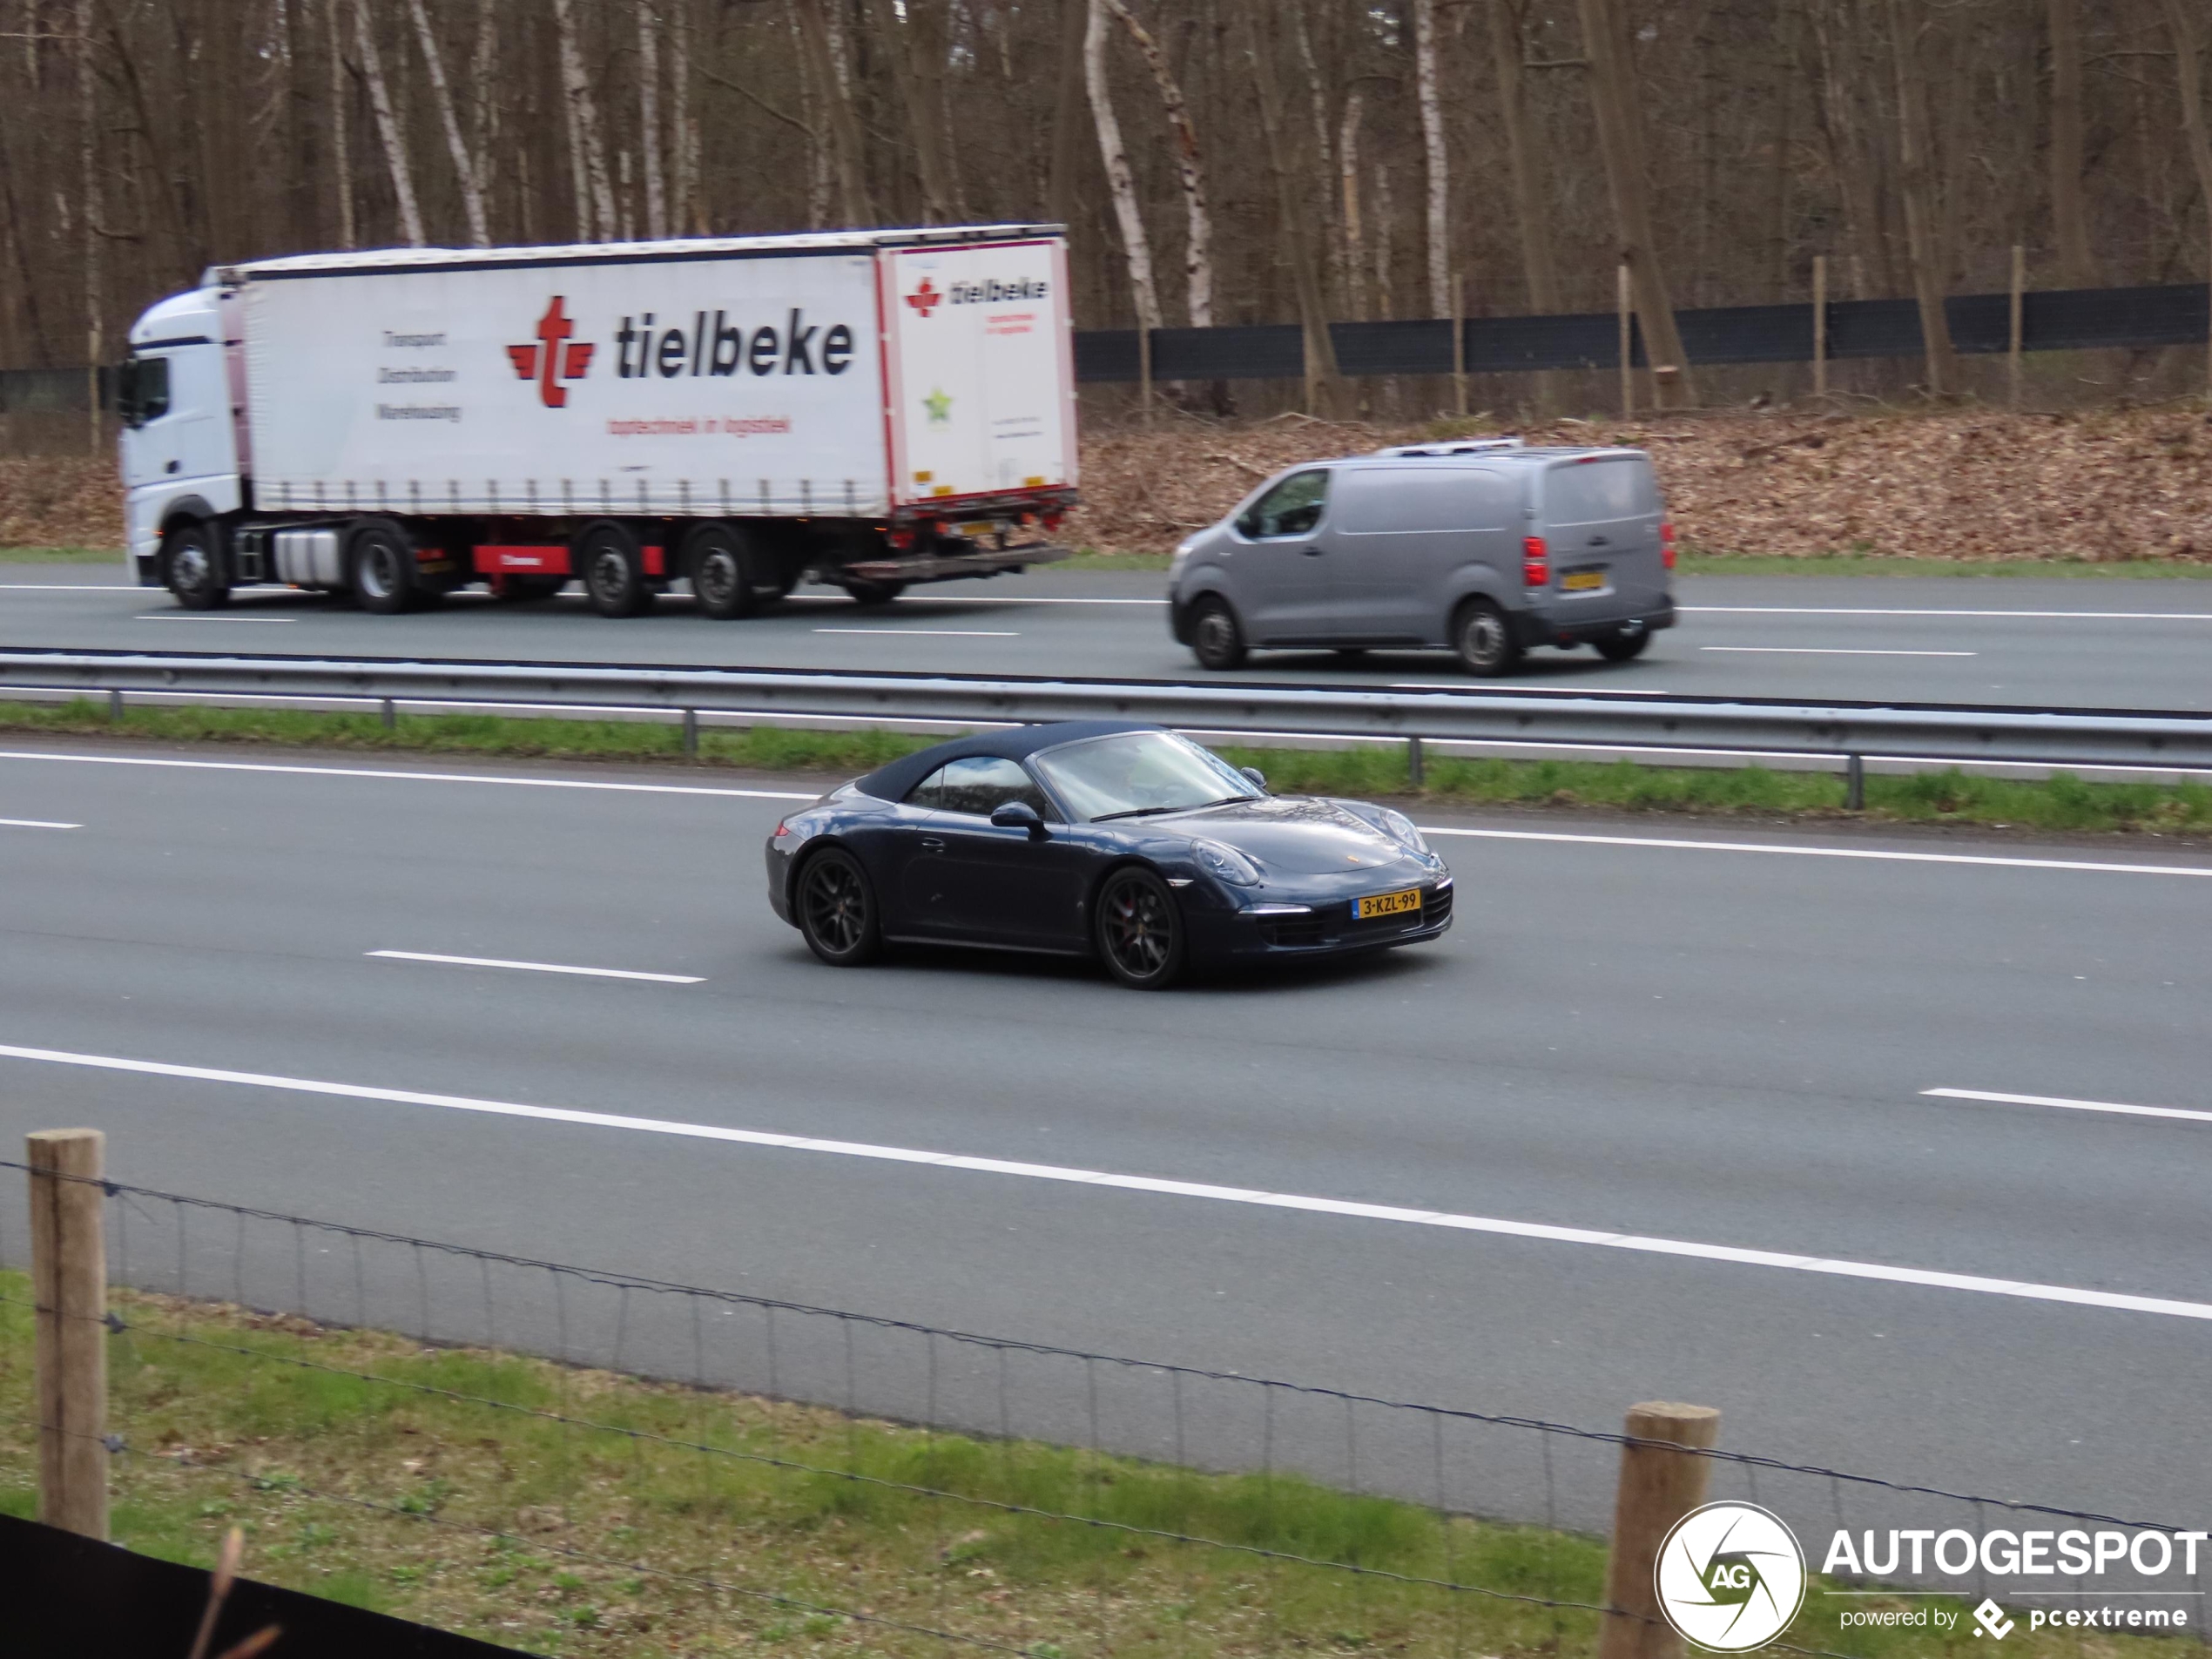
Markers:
1199,806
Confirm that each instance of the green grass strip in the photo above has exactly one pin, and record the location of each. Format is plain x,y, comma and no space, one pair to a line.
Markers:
61,556
2063,802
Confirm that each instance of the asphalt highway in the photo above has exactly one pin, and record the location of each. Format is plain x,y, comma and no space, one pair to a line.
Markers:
2069,643
1652,1122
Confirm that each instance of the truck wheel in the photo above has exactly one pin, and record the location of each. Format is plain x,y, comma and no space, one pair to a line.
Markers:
613,566
875,593
380,568
1483,639
191,565
727,571
1216,640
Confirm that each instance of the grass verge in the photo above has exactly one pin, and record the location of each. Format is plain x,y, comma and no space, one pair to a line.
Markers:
441,1485
61,556
2063,803
1703,563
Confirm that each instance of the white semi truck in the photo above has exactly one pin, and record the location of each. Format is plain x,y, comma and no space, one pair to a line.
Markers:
871,408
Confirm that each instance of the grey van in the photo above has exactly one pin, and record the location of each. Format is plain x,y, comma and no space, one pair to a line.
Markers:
1484,549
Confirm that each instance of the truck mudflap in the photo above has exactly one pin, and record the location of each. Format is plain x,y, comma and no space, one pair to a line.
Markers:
946,567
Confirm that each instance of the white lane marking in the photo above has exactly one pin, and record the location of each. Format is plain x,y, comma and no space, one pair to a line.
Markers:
2071,1105
535,967
1522,690
179,615
1872,610
930,633
1825,851
978,599
410,777
1790,1261
1830,650
35,822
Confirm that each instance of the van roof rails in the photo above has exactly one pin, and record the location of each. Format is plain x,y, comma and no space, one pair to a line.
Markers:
1454,447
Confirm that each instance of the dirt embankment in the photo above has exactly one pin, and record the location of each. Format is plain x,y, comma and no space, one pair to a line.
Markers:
2128,484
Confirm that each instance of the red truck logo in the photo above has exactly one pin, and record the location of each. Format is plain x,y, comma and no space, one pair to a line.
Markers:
925,298
548,360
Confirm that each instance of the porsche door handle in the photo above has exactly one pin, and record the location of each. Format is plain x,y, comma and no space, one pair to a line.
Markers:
932,844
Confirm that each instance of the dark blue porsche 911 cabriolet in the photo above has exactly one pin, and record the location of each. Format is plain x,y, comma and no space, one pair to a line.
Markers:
1128,842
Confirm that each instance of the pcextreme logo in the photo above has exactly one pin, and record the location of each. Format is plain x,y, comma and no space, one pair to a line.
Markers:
548,360
1730,1577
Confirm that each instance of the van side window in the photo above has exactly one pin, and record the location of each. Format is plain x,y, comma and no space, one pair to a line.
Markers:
142,389
1423,499
1292,507
1593,492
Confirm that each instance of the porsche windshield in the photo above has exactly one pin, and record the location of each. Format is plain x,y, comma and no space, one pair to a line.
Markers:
1140,772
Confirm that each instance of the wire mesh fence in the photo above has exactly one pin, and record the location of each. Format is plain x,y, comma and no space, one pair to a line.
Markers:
574,1460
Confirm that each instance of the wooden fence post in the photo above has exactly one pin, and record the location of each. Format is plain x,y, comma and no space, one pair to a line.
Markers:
1659,1486
2018,318
1820,325
69,1288
1459,345
1144,371
1624,300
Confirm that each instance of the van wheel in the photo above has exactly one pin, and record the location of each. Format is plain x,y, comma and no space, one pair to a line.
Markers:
726,576
1216,640
1483,639
613,567
380,568
192,566
1623,648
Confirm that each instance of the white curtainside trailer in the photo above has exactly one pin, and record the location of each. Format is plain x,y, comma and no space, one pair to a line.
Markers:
872,409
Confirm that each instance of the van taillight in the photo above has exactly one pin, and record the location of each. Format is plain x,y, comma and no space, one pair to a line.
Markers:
1535,562
1667,543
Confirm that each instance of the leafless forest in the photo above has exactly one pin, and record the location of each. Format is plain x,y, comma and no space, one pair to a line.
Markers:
1216,161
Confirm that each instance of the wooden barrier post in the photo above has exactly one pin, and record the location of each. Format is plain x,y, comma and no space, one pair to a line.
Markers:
69,1288
1145,372
1659,1486
1459,345
2018,318
1624,301
1820,325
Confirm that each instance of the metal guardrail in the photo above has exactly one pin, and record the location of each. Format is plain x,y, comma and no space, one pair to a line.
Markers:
1853,732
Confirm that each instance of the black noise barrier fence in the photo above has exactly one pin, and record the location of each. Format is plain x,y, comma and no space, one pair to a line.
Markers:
555,1458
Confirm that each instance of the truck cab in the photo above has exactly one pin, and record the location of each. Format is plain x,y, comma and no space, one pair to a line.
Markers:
179,394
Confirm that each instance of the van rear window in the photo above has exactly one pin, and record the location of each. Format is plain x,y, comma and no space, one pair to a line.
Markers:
1375,501
1591,492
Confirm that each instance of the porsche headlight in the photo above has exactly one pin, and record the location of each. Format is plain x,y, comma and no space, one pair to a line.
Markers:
1226,863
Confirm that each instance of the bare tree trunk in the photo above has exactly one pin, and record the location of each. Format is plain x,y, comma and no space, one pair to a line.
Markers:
340,149
1532,212
1440,184
388,129
1620,136
1297,247
1198,251
89,162
824,58
1385,245
911,43
1066,113
649,117
2188,75
1917,187
690,220
2069,213
464,167
819,183
1355,250
1119,181
589,147
484,105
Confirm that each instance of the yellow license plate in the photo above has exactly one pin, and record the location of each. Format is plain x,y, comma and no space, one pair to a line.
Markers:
1386,904
1582,581
981,528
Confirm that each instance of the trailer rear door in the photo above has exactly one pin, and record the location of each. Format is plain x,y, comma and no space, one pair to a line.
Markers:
980,372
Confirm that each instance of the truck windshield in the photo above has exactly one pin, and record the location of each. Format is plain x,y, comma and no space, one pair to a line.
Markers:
142,389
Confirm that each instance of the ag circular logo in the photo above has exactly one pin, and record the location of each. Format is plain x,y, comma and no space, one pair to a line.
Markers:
1730,1577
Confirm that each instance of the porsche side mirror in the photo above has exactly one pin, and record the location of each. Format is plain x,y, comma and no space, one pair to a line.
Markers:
1018,814
1255,775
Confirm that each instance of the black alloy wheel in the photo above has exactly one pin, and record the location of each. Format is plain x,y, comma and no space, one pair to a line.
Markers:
381,568
1483,639
1216,639
613,568
875,593
724,570
837,909
1140,930
1624,647
191,567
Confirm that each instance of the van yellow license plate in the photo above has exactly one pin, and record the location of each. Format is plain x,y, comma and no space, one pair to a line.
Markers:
1386,904
1582,581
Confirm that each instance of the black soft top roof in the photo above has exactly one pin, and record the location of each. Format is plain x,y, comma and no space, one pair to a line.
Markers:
894,781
